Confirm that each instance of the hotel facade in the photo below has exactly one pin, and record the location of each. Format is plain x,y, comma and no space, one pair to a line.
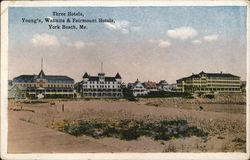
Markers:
101,86
138,89
46,86
209,83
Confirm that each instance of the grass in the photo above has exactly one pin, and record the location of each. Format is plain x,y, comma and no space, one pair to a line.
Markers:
132,129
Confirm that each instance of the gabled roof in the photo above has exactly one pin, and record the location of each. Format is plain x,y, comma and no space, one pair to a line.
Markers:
133,85
194,76
209,75
150,84
212,75
25,78
182,79
117,76
163,82
136,82
85,75
202,72
96,78
41,75
220,75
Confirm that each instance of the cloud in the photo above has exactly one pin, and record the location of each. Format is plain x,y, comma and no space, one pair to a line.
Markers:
182,33
161,43
164,44
45,40
211,38
121,26
135,28
196,42
110,26
76,44
50,18
124,31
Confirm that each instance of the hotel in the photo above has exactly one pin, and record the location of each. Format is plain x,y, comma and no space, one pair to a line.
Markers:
209,83
45,86
101,86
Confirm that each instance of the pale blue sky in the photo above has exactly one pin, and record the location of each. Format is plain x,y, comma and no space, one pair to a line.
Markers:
149,43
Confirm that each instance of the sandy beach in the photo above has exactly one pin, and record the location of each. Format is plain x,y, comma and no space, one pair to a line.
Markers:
31,127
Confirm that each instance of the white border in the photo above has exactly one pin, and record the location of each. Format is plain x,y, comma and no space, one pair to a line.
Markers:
248,81
4,79
110,156
127,3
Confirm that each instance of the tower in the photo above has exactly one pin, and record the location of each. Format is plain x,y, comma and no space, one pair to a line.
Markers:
42,63
41,78
101,75
41,75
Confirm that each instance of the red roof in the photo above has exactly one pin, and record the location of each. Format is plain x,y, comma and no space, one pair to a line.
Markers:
150,84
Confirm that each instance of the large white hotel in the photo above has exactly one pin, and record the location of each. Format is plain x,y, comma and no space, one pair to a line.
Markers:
101,86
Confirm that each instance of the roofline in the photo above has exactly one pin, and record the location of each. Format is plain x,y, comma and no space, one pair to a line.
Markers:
231,75
45,76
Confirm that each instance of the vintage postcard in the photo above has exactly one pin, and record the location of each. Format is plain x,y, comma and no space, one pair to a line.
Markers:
124,80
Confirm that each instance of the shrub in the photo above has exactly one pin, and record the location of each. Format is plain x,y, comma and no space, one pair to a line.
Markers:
164,94
131,129
132,99
238,140
210,96
34,102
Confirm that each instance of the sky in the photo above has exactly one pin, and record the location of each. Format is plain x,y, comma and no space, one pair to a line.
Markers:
145,43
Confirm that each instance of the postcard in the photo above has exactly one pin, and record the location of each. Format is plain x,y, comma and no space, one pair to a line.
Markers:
124,80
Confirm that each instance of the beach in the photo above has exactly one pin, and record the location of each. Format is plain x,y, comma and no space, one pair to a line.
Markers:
33,124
